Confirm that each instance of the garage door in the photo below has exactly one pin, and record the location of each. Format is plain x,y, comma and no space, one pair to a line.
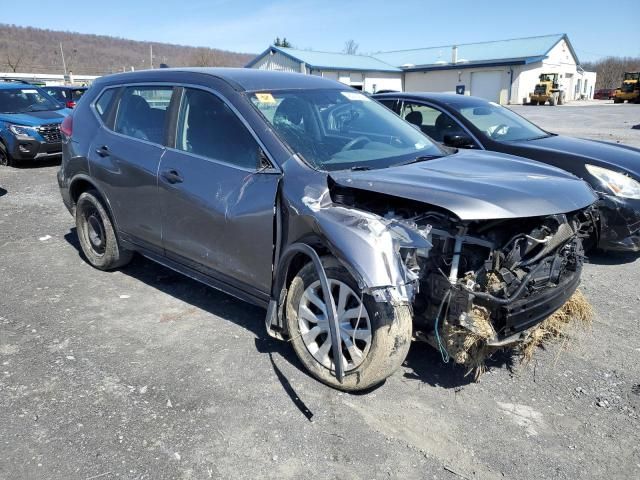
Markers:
487,85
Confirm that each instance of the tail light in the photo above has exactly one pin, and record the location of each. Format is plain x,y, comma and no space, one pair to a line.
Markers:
67,126
70,104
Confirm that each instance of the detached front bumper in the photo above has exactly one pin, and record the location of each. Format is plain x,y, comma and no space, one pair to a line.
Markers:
619,224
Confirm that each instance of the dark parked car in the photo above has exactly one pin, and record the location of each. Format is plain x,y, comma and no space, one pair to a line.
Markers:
306,197
613,170
67,95
29,123
604,94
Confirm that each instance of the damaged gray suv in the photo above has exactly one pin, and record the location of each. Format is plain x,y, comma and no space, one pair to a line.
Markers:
352,228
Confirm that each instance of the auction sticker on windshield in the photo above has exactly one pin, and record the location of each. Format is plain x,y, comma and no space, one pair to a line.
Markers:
265,98
356,96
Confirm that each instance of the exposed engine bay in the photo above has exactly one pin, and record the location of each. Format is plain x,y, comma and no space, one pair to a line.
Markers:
514,272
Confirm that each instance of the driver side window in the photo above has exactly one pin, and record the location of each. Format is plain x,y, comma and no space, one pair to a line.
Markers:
209,128
431,121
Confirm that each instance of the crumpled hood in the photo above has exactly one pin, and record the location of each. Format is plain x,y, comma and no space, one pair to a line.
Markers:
478,185
34,119
609,155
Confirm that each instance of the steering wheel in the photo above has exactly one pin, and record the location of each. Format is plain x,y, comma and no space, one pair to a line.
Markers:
356,141
498,128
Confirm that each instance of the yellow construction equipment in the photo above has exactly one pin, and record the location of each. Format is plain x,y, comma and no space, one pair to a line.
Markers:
547,90
629,90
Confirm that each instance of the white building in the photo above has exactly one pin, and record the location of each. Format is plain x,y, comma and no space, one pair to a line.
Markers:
504,71
50,79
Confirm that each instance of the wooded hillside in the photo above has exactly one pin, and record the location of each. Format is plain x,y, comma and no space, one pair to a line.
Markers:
27,49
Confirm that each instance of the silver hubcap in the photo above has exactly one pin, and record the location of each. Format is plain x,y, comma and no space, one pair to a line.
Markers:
355,327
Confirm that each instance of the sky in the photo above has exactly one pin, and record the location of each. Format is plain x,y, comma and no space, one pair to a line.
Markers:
595,28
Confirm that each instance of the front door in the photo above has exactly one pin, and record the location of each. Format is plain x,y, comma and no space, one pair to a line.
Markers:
217,199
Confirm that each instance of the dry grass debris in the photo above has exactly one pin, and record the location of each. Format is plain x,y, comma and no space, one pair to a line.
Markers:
468,346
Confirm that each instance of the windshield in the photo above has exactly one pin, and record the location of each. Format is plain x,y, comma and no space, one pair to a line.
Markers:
339,129
24,100
501,124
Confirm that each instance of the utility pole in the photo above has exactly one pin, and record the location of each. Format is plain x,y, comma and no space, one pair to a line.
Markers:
64,65
151,56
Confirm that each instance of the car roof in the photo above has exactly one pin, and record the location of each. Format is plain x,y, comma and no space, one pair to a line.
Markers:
67,87
453,99
15,85
244,79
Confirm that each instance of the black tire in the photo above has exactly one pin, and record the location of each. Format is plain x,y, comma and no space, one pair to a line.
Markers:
391,331
541,103
96,234
5,157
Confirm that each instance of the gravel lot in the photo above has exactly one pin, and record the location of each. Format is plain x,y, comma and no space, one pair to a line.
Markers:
145,374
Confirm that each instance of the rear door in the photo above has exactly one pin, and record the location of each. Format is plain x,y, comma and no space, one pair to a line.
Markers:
124,159
218,194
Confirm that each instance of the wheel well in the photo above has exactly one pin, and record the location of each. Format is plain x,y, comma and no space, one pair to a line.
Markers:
78,187
300,260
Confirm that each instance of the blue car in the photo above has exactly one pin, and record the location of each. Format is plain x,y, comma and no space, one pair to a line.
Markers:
29,123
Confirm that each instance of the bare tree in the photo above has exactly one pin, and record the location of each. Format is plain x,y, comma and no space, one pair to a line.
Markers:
14,58
350,47
37,50
203,57
610,70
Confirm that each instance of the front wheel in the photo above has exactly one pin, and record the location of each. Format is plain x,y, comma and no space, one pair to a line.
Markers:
97,235
5,158
374,337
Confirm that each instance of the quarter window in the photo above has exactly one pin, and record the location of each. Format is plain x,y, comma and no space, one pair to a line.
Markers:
142,112
208,127
104,102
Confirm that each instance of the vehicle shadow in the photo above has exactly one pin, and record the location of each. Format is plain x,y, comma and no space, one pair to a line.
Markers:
217,303
427,366
3,192
424,362
600,257
30,164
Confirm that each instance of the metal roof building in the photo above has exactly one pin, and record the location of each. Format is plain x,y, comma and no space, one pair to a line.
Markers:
504,71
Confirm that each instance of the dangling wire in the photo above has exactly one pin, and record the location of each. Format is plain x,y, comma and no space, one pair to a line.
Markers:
443,351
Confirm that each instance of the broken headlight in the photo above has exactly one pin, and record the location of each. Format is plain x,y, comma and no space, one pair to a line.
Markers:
619,184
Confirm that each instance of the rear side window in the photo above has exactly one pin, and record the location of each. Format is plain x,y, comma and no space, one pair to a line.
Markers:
76,94
56,93
208,127
142,112
104,102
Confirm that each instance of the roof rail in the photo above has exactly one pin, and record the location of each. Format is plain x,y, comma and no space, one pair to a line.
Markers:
15,80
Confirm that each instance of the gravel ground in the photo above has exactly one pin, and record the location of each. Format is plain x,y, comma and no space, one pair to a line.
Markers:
145,374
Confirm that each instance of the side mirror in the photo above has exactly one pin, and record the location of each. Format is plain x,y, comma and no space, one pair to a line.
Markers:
459,141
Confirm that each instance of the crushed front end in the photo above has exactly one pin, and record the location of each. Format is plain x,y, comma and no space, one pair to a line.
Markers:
488,280
513,273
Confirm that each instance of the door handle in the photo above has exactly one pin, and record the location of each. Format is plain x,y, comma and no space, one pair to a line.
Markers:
103,151
171,176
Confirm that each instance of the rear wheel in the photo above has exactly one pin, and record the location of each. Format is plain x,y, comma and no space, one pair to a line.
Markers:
97,235
374,337
542,102
5,158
